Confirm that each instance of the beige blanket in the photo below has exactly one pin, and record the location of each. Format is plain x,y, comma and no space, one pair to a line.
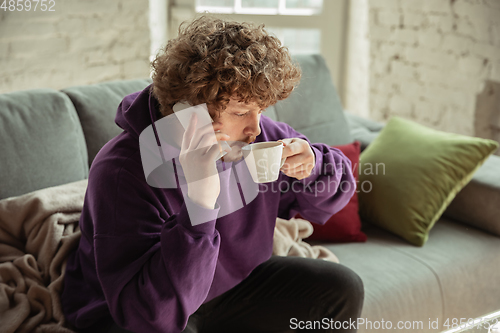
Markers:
37,232
288,235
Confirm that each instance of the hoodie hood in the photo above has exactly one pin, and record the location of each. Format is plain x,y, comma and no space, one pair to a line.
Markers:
137,111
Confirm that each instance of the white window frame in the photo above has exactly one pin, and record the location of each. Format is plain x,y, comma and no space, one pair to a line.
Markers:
281,10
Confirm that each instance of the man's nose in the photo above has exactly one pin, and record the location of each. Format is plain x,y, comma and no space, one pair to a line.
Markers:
252,127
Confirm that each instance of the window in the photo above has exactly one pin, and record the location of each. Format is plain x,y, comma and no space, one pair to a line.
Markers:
261,7
299,41
304,26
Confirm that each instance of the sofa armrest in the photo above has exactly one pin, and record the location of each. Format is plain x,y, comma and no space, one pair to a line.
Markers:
362,129
477,204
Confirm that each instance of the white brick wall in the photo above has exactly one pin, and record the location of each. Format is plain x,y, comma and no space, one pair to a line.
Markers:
81,42
429,59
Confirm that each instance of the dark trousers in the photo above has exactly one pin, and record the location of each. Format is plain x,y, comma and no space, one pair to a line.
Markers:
281,289
284,294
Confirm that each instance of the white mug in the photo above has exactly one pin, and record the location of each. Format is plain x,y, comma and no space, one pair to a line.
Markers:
264,160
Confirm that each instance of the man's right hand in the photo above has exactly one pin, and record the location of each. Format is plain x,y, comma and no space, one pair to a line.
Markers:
197,157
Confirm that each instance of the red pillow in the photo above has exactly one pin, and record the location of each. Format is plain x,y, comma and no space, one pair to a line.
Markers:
345,225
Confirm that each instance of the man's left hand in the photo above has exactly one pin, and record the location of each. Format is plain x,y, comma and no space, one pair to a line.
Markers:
300,158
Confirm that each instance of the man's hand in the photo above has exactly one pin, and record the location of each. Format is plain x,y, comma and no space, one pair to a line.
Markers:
197,157
300,158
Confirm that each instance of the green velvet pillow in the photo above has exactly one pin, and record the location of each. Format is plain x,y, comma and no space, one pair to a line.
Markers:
410,173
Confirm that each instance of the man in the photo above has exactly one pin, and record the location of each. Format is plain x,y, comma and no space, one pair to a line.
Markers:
144,264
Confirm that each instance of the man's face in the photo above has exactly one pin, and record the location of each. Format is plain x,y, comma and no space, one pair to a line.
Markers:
240,121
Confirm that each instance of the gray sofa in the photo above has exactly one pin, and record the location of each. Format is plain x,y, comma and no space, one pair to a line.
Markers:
50,137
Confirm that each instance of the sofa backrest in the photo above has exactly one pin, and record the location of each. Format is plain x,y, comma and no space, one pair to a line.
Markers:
42,142
96,106
314,107
51,137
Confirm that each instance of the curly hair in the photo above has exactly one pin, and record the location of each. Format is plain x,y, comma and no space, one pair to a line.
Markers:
213,60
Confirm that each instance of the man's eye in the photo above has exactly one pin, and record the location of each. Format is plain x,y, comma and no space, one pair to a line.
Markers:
246,113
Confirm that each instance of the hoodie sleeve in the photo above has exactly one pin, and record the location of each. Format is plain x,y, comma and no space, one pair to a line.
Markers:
325,192
155,267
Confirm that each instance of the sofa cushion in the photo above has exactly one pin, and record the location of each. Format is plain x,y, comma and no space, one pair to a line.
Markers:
476,204
345,225
314,107
42,142
415,172
96,106
455,275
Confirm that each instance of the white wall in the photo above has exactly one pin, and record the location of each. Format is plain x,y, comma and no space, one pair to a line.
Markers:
429,59
81,42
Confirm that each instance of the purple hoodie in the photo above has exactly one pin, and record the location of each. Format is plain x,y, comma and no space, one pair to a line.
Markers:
142,262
